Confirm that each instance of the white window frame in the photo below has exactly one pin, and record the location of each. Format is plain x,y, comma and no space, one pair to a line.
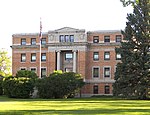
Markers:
97,89
42,56
23,41
104,71
67,38
106,37
32,41
61,38
23,68
22,57
34,68
95,59
118,37
32,57
68,68
118,54
106,55
93,72
43,41
43,68
105,89
95,39
68,53
71,38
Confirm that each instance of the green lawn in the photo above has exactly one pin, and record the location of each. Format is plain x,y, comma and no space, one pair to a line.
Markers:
86,106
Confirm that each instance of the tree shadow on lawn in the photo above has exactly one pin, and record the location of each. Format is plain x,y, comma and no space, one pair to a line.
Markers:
79,112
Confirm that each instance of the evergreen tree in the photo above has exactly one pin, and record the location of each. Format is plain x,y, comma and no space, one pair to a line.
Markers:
133,73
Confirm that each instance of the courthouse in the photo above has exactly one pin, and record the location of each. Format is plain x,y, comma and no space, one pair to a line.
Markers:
91,54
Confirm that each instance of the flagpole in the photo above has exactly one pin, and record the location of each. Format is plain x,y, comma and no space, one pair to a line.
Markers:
40,61
40,38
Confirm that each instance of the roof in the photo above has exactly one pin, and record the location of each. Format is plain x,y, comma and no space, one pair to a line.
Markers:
104,31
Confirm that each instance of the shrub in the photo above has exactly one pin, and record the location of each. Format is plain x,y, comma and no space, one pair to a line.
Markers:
1,89
20,86
59,85
26,73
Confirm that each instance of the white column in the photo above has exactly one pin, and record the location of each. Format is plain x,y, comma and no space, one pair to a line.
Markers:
74,60
58,60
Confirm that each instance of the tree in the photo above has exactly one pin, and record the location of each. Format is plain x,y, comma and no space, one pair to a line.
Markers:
5,63
128,2
133,73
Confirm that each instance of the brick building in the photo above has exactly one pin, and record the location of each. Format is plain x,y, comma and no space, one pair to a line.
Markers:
92,54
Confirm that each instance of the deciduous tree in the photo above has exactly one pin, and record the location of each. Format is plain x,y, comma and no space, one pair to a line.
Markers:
5,63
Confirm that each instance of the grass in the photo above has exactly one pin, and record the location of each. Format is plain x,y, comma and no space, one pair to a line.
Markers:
79,106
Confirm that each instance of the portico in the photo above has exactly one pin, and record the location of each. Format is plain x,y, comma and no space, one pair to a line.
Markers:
66,60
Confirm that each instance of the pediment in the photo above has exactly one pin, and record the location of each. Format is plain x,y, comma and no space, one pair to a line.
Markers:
67,29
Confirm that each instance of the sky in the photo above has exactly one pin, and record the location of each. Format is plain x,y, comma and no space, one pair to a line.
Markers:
23,16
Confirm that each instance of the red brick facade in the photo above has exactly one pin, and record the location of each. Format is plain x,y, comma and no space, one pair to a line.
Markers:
91,54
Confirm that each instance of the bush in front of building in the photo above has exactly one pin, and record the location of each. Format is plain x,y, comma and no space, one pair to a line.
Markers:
26,73
59,85
19,86
1,89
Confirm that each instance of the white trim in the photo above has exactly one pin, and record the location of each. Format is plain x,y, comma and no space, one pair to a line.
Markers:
16,44
108,80
68,47
30,51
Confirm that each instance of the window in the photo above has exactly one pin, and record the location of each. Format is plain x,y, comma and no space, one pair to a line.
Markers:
43,57
23,69
107,89
106,39
61,38
96,56
95,39
95,72
118,56
23,57
106,71
95,89
118,38
33,57
43,72
23,41
67,39
68,56
71,38
106,55
33,41
43,41
68,69
33,70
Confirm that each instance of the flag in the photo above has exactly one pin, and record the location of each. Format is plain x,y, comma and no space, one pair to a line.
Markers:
40,35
